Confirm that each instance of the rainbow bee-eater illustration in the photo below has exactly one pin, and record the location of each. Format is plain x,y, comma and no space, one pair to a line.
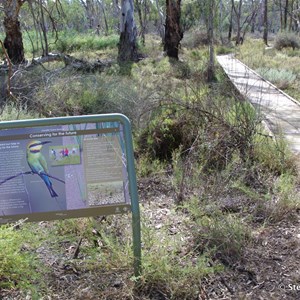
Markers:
38,164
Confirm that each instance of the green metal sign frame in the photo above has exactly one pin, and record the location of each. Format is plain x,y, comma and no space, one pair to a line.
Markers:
136,227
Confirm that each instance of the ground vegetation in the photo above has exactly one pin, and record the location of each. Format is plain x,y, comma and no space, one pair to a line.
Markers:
219,195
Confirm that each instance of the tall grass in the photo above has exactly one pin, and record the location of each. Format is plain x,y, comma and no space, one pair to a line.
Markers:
19,267
68,42
281,67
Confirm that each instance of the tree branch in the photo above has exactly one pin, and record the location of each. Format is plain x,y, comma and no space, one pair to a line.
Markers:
30,173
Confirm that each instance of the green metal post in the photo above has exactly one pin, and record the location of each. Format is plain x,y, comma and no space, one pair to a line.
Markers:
136,222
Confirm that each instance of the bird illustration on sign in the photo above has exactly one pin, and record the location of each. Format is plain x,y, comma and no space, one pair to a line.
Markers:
38,164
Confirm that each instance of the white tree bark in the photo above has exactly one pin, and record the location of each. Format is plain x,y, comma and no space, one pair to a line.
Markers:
128,33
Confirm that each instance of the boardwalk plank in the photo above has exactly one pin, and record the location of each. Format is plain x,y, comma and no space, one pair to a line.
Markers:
281,112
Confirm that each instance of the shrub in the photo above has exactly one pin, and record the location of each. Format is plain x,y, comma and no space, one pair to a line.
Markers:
285,200
286,40
68,43
221,50
274,155
12,112
167,275
281,78
163,136
223,235
195,38
18,265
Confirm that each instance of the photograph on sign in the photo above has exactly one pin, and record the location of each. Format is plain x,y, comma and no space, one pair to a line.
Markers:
62,168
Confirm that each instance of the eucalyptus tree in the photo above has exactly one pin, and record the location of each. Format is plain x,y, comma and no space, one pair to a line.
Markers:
128,50
237,9
266,24
142,18
285,14
173,31
13,41
92,13
161,22
210,35
243,13
101,4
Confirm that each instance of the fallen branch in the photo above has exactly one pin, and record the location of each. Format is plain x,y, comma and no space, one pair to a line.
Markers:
69,61
75,63
77,250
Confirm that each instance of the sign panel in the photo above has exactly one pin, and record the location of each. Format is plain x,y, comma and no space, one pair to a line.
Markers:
59,168
63,170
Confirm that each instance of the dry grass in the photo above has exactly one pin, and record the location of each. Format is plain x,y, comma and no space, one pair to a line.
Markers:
254,54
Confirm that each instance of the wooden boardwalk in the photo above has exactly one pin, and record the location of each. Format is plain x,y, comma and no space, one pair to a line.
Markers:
281,112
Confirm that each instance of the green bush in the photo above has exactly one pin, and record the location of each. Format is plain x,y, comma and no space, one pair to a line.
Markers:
286,40
171,127
280,77
70,43
223,235
18,266
12,112
286,200
221,50
195,38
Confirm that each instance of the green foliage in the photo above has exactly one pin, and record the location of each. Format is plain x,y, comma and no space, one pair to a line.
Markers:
205,140
190,15
164,135
223,235
281,78
19,267
221,50
195,38
71,42
68,42
273,154
165,273
13,112
286,40
254,54
286,200
148,166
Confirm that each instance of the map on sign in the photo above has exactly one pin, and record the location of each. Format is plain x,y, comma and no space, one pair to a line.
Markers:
63,170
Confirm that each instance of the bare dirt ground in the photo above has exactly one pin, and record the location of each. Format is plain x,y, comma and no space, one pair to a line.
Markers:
268,269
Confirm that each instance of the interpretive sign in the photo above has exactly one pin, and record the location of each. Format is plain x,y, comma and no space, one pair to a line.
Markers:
68,167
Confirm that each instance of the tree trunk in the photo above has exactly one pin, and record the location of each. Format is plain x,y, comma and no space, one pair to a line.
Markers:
89,7
173,33
230,23
142,22
253,23
161,28
239,29
128,44
13,41
210,34
291,16
266,27
44,29
102,5
281,15
285,17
